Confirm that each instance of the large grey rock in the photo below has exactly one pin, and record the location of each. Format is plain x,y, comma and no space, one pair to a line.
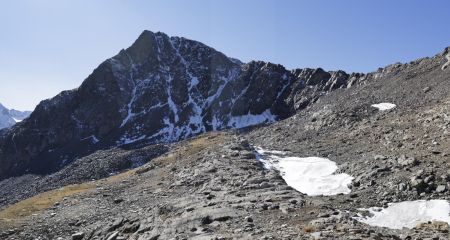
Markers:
78,236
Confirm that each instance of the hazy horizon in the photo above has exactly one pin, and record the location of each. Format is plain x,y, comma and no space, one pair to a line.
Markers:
47,48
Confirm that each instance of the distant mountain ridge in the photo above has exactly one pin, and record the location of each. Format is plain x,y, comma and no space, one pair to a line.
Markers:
9,117
162,89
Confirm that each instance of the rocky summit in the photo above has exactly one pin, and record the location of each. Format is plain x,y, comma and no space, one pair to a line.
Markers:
160,90
171,139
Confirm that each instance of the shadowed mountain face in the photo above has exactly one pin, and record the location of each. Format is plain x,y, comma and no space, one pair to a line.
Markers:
161,89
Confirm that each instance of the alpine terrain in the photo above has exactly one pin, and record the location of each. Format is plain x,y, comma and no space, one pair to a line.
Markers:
171,139
9,117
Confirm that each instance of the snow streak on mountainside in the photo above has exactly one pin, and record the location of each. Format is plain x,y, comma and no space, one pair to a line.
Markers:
161,89
11,117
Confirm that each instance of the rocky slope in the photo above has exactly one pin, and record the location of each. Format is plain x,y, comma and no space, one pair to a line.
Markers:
211,187
214,187
9,117
161,89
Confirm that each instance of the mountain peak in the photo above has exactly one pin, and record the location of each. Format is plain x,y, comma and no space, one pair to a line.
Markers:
159,90
144,46
9,117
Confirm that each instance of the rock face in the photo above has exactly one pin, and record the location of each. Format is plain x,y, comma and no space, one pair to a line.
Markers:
214,186
161,89
9,117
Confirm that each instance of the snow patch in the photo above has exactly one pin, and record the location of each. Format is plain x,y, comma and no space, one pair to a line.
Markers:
194,82
16,120
130,113
384,106
408,214
172,105
127,140
93,139
265,152
313,176
251,119
77,121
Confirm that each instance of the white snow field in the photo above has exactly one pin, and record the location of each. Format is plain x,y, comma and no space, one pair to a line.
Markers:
384,106
408,214
313,176
251,119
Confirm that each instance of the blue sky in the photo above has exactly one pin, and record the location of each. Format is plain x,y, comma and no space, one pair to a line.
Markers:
47,46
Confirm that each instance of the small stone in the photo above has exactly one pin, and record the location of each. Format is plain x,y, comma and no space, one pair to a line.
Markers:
265,206
113,236
429,179
379,157
274,206
190,209
118,200
211,170
78,236
353,195
249,219
286,209
247,155
445,177
419,172
265,185
206,220
418,184
441,188
404,161
402,186
323,215
116,224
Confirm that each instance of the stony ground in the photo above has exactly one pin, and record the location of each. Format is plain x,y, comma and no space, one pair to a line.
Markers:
98,165
213,187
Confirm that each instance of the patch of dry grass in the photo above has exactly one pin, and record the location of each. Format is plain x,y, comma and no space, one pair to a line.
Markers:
309,229
42,201
191,147
16,212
